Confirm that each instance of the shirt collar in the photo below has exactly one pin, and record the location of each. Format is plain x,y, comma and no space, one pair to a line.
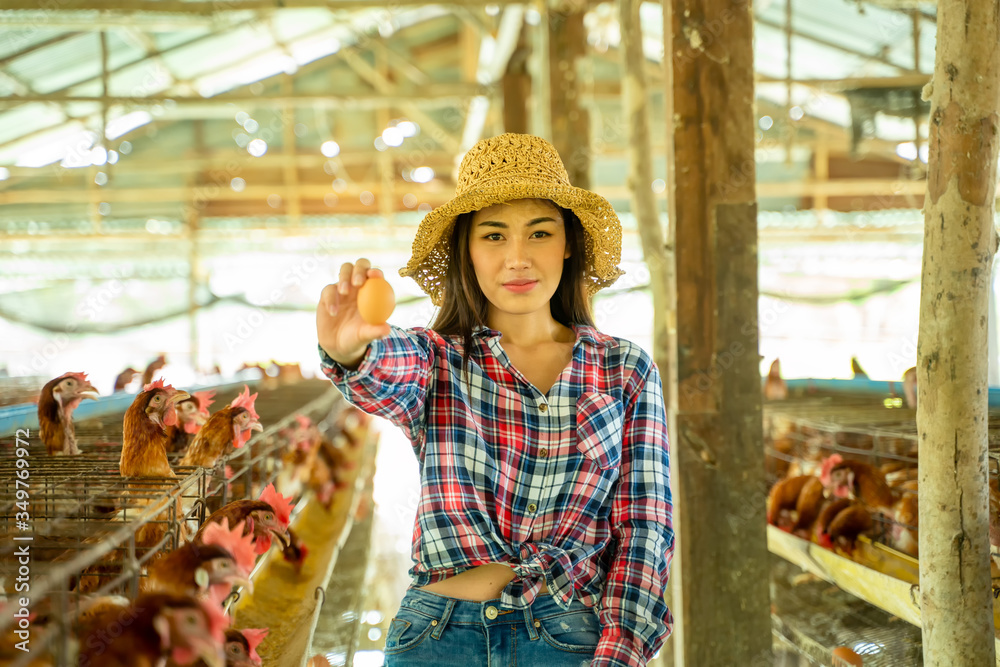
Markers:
583,333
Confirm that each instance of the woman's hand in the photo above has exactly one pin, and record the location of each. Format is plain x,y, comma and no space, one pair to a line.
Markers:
339,327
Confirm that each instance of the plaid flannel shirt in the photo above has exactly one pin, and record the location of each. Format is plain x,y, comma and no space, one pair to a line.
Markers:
572,486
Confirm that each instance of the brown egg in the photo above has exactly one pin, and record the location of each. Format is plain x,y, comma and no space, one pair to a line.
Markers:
845,657
319,660
376,301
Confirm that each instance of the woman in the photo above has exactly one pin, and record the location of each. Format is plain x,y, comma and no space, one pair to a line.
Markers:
543,533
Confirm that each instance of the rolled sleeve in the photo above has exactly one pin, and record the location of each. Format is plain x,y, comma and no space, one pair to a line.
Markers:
391,381
634,615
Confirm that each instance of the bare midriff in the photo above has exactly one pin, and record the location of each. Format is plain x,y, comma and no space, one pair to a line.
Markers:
481,583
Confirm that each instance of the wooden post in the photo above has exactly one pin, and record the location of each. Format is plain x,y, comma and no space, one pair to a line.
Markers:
569,120
290,176
517,86
721,598
959,244
635,98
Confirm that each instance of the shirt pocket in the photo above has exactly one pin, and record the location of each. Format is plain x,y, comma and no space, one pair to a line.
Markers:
599,424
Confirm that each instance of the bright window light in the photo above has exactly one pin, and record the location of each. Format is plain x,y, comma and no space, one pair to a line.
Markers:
67,143
408,128
330,148
907,150
122,125
393,136
257,147
422,174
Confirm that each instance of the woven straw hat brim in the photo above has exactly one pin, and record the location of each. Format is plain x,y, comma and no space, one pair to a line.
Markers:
601,225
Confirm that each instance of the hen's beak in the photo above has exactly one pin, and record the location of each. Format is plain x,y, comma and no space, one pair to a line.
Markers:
213,654
282,537
88,391
256,426
181,395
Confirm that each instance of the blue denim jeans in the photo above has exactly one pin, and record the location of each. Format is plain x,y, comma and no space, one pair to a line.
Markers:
432,629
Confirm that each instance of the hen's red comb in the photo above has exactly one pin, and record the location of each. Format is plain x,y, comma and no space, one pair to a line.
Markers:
234,541
254,637
158,384
204,399
828,465
246,400
82,377
303,421
282,505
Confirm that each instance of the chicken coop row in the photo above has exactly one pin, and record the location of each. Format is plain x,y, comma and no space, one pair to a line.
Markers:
171,498
843,507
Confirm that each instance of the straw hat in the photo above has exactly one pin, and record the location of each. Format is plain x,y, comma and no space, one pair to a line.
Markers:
501,169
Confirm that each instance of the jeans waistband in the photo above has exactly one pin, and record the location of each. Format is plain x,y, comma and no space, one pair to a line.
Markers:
447,610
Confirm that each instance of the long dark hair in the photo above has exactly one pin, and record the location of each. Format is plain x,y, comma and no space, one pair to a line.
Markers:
465,307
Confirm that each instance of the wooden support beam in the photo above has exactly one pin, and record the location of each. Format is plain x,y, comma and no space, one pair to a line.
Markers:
517,86
821,173
210,9
215,188
721,598
852,83
442,135
645,207
570,122
350,98
952,422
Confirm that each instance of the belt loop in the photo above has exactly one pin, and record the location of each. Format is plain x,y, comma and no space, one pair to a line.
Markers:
449,605
529,620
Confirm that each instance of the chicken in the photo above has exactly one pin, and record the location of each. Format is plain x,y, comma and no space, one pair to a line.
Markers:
143,455
221,558
859,373
144,452
297,457
153,368
241,647
56,403
775,388
859,480
808,506
782,499
910,387
269,515
229,426
295,551
352,424
840,523
903,532
192,413
124,379
158,626
144,437
94,612
856,479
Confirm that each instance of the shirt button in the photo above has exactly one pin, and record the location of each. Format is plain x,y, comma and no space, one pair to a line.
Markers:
532,507
543,452
544,407
491,612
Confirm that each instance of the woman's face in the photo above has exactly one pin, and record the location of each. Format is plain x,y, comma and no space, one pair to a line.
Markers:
517,250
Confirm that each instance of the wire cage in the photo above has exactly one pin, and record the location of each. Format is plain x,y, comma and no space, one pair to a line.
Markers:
78,518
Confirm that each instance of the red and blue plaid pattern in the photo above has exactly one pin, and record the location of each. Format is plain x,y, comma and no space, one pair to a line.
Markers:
572,487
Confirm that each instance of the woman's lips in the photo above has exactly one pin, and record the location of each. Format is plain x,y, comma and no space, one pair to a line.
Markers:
519,287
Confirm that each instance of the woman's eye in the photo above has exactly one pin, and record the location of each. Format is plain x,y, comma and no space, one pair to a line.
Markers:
492,237
544,234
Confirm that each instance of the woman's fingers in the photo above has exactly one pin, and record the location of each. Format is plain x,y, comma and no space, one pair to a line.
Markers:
328,300
361,272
